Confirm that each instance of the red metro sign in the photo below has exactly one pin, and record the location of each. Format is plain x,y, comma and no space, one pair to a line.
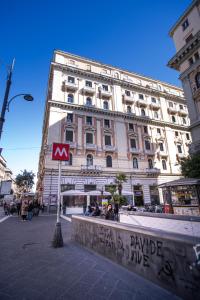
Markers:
60,151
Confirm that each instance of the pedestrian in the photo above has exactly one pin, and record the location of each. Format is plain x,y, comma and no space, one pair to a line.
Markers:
96,212
6,208
36,208
110,213
24,210
30,211
88,211
116,211
19,204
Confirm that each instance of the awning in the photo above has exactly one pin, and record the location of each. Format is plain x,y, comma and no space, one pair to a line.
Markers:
98,193
125,193
73,193
181,182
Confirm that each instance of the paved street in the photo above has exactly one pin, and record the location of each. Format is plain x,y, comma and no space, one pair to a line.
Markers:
32,269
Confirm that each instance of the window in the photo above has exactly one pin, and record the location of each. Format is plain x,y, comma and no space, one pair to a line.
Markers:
89,160
135,163
184,121
180,106
170,104
145,129
109,161
179,148
71,79
153,100
107,140
69,118
141,96
158,130
89,120
143,112
190,60
150,163
161,147
69,135
129,109
189,38
88,83
173,119
147,145
128,93
89,101
164,165
196,56
133,143
70,159
89,138
197,79
176,133
105,87
187,136
155,114
70,98
131,126
185,24
105,105
107,123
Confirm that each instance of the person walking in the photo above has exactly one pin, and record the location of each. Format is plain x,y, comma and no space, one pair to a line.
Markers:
6,208
24,210
19,204
116,211
30,211
110,213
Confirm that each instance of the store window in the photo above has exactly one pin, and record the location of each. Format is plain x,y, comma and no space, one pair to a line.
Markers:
138,195
154,195
109,161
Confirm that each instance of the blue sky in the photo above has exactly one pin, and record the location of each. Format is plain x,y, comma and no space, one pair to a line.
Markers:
129,34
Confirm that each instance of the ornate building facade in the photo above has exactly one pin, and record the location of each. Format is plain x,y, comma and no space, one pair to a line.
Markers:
115,121
186,36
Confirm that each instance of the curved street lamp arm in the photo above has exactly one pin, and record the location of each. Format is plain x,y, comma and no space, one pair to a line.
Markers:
12,99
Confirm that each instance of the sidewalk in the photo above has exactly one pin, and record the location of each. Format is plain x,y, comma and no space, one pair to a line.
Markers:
31,269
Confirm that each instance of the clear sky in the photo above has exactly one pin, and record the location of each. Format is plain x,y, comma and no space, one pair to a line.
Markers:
131,34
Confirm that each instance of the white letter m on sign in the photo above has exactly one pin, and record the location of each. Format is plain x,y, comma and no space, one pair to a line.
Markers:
61,152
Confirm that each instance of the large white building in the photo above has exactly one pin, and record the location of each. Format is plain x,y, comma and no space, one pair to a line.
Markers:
186,36
115,121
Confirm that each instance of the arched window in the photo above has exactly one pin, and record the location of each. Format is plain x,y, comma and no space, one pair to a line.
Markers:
89,101
150,163
135,163
164,165
143,112
109,161
70,159
70,98
105,105
129,109
197,79
173,119
89,160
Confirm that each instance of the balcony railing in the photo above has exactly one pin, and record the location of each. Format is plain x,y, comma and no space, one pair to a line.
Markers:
128,98
72,86
172,110
142,102
91,169
109,148
90,146
88,90
135,150
153,171
182,112
105,93
72,145
155,106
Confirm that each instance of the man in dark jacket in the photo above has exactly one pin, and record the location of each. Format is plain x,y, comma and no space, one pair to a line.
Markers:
110,213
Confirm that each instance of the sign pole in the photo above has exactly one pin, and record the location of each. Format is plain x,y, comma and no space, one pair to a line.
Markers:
58,239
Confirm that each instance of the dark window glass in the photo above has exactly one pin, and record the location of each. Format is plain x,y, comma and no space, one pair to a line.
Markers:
88,101
153,100
88,83
180,106
129,109
107,123
89,138
158,130
107,140
156,114
161,147
128,93
145,129
105,104
71,79
197,79
196,56
184,121
70,98
105,87
150,163
143,112
141,96
109,161
176,133
187,136
135,163
164,165
130,126
70,159
133,143
190,60
185,24
147,145
89,160
173,119
70,118
179,148
89,120
69,135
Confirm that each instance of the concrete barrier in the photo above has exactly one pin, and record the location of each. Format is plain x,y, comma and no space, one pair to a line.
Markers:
169,260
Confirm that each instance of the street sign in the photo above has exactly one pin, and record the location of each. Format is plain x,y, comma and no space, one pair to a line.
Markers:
60,151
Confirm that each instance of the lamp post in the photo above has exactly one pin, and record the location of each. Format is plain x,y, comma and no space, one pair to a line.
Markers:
6,103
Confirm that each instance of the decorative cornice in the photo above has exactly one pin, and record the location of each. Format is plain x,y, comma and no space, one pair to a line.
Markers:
112,81
125,116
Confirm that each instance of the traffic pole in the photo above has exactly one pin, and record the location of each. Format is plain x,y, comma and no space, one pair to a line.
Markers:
58,239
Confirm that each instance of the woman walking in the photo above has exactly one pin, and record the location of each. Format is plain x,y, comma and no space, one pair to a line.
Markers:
24,210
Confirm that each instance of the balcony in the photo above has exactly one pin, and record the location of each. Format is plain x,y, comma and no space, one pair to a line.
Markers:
162,153
155,106
182,112
128,98
104,93
180,155
172,110
86,169
70,86
150,152
109,148
89,146
142,103
135,150
72,145
88,90
153,171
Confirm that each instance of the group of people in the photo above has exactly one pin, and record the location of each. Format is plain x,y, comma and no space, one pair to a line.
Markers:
107,212
24,208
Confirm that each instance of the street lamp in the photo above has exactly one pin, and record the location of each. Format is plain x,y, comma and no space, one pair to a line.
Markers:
6,103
